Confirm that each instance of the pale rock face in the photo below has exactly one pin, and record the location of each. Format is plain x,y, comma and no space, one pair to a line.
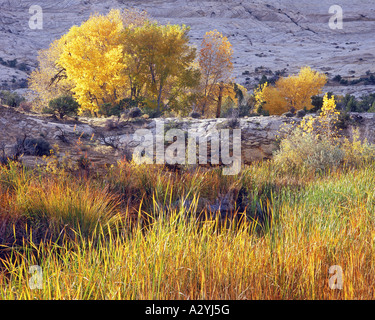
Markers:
274,34
258,134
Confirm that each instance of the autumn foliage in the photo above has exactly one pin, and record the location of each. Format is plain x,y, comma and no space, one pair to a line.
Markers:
317,145
215,61
158,62
125,59
291,93
93,60
122,55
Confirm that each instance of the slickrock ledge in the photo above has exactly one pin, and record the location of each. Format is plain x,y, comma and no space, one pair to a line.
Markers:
106,146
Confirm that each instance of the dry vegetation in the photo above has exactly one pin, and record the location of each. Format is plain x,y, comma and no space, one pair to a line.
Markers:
154,232
146,232
91,245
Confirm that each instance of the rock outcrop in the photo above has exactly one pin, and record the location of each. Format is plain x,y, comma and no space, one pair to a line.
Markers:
91,137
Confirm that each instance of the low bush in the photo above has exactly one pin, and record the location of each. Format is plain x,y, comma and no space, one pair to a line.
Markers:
109,110
302,151
134,113
11,99
32,146
316,145
195,115
152,112
25,106
63,106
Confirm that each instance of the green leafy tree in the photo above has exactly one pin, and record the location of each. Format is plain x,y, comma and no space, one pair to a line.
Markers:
63,105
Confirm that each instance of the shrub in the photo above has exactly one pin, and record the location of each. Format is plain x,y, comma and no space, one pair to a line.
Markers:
12,63
152,112
263,80
63,105
343,120
357,151
344,82
228,111
134,113
11,99
350,103
195,115
23,67
246,106
32,146
105,109
337,78
25,106
302,151
109,110
300,113
315,145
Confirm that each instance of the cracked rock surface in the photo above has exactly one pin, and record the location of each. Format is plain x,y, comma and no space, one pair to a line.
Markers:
273,34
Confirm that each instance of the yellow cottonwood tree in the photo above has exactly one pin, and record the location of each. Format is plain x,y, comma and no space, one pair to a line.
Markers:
49,80
120,55
270,99
93,60
134,62
215,61
291,93
158,58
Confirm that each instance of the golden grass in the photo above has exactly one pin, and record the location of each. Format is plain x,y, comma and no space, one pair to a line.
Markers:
316,223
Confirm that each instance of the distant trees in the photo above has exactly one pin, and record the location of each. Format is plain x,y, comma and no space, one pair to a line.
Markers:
215,61
124,59
291,93
117,57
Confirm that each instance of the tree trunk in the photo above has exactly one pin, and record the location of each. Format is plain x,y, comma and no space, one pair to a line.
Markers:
219,100
204,107
159,98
